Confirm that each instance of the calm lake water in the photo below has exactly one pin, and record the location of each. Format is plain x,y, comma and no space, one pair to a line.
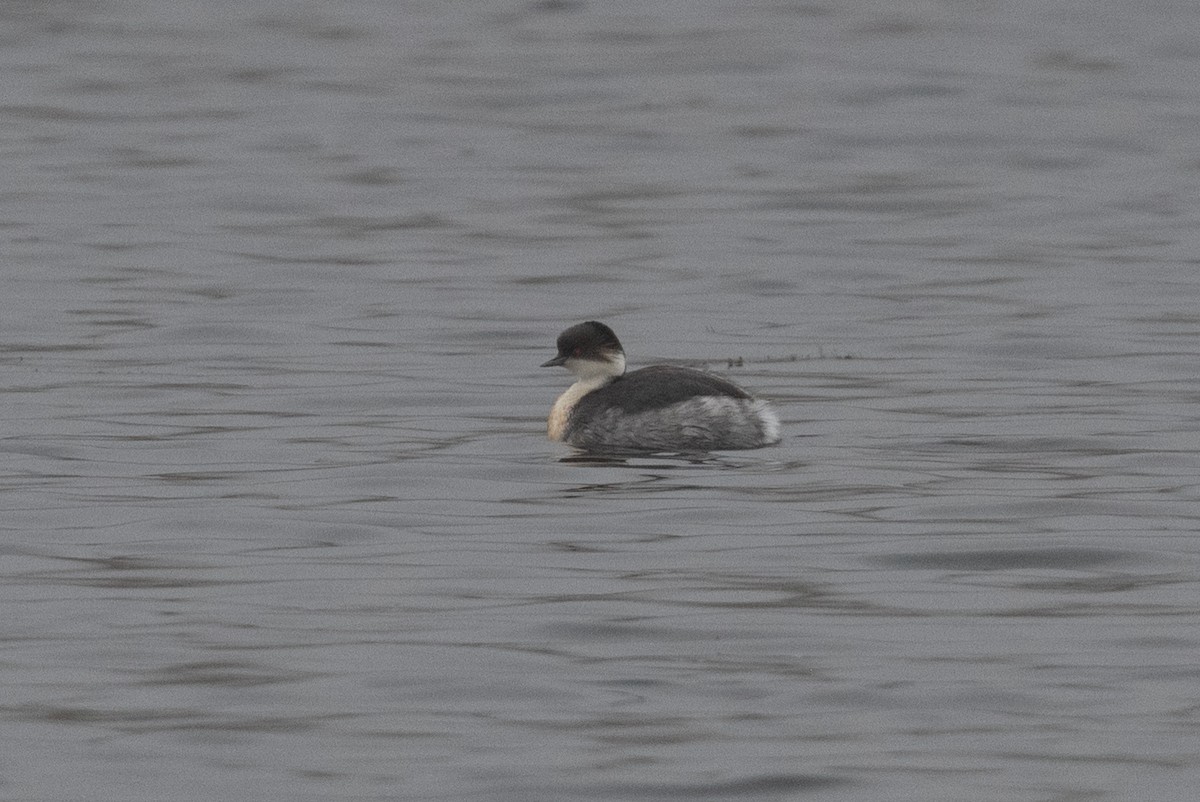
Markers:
280,519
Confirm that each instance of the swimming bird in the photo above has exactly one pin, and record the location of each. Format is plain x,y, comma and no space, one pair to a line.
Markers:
659,408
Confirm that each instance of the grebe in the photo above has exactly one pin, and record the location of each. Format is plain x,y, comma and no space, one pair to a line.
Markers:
659,408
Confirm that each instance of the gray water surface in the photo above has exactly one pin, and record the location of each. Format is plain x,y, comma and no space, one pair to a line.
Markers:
280,519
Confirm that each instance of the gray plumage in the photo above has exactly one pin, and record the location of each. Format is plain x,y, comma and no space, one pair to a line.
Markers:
659,408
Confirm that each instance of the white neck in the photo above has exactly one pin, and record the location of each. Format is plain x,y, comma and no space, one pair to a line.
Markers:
556,425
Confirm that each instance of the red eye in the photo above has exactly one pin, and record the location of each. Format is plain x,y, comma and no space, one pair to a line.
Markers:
576,351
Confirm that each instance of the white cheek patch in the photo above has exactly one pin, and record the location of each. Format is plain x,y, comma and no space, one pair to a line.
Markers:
588,369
